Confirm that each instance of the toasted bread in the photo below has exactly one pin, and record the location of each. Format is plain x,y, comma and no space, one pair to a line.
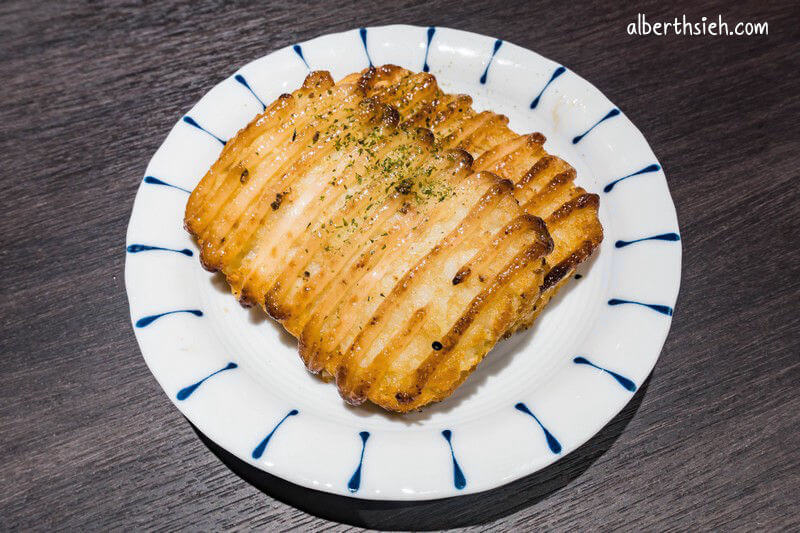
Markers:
395,261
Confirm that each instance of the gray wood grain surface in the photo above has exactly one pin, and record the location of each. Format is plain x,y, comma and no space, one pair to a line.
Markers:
89,441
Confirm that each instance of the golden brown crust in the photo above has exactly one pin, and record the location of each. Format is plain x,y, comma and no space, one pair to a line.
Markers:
397,233
544,183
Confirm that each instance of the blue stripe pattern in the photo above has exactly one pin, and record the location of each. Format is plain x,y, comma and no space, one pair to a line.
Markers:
459,481
663,309
425,66
137,248
299,51
188,391
552,442
558,72
363,33
649,168
622,380
497,44
613,113
355,480
192,122
147,320
155,181
259,450
243,81
662,237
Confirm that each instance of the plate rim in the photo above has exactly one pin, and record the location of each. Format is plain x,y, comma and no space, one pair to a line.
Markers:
484,486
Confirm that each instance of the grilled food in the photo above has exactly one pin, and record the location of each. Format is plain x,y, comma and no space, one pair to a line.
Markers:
544,184
391,229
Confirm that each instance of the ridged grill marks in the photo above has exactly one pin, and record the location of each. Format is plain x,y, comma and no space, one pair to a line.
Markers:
467,235
335,299
437,308
325,311
557,191
535,183
235,195
449,115
217,174
239,218
509,240
309,245
205,200
489,159
272,175
417,233
354,385
566,266
579,202
437,359
513,164
452,174
489,134
379,278
410,94
317,201
465,129
303,105
366,197
261,223
371,207
312,170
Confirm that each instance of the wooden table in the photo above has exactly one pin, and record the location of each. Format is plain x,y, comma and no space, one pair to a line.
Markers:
89,440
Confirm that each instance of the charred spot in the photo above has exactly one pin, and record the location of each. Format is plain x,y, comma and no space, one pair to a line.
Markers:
222,240
294,135
461,275
274,310
437,345
556,274
537,167
278,200
374,320
404,397
390,117
463,156
481,278
315,138
356,397
244,299
581,202
365,81
244,175
404,186
405,207
560,179
306,274
536,138
425,135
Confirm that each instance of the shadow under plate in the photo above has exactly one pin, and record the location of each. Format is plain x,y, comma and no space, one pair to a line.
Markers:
470,509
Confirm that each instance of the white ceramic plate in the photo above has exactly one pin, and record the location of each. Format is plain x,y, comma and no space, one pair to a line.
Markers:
535,398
